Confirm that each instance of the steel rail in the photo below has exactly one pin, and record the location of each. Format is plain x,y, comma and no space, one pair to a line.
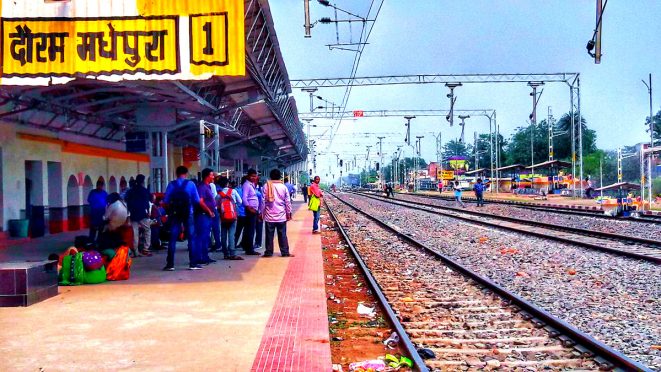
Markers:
598,348
575,230
593,246
559,210
404,338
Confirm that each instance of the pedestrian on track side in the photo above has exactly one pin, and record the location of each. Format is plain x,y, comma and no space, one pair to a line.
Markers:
457,194
315,203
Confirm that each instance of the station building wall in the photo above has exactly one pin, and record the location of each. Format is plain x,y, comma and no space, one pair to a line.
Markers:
43,174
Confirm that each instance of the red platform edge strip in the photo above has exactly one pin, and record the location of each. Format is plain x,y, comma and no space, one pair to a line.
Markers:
296,335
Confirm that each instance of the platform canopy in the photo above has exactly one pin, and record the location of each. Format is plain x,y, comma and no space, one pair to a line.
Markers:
620,185
108,69
512,168
551,164
476,171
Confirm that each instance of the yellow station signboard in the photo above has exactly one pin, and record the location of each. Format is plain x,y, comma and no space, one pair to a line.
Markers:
148,43
444,174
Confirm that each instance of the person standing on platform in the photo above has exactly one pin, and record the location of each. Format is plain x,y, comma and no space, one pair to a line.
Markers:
457,194
180,195
304,191
228,202
315,192
259,225
251,205
291,188
277,211
240,211
479,192
97,199
215,224
137,201
204,217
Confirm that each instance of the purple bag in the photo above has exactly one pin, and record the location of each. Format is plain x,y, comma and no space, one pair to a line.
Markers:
92,260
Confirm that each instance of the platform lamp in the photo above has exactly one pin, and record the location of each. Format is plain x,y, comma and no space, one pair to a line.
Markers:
408,129
417,161
463,126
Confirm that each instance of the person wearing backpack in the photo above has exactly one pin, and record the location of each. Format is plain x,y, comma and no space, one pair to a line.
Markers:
228,199
180,196
277,211
204,217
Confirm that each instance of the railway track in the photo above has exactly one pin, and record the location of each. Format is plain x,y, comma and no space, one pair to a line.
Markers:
558,210
467,320
640,248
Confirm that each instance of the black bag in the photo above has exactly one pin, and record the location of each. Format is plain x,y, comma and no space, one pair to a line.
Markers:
180,202
83,242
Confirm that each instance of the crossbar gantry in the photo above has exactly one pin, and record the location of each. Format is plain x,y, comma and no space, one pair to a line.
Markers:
562,77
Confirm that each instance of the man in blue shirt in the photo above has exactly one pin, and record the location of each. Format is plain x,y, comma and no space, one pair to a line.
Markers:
251,205
137,202
259,224
204,218
479,192
240,212
180,196
97,200
291,188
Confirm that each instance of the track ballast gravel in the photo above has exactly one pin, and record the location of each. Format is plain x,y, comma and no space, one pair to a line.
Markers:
614,226
615,299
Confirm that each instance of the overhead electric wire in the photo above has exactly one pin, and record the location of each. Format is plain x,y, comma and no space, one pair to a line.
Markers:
354,70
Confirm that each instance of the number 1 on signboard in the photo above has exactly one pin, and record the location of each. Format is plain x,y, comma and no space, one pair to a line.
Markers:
208,49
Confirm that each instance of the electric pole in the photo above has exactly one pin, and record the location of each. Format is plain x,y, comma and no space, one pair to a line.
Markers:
651,129
533,124
380,160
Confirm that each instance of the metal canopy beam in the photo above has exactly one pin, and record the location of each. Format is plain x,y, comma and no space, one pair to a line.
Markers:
563,77
392,113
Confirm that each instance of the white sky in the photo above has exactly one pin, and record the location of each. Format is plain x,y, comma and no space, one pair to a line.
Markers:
479,36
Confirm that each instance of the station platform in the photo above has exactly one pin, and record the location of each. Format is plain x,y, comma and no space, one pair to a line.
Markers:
260,314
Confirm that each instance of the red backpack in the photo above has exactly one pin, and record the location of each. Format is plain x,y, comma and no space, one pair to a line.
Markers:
227,208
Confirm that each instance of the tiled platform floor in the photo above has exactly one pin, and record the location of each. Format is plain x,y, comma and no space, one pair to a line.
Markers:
264,314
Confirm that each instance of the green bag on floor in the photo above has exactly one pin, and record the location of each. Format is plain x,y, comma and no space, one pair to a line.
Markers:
73,271
95,276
